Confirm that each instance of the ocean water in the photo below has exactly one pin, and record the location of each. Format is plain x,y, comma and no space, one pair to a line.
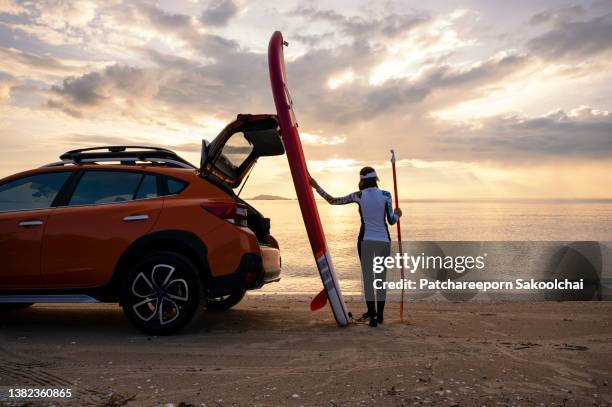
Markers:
483,220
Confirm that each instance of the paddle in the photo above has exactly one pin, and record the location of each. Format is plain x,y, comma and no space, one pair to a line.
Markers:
399,231
319,301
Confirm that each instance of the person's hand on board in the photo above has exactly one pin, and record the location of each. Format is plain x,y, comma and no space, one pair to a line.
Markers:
398,212
312,181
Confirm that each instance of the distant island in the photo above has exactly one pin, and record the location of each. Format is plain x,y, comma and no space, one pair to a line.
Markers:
270,198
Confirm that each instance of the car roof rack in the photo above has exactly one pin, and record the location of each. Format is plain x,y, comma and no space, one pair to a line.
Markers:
127,155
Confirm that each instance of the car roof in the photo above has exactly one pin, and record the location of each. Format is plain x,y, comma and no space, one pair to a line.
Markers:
178,172
118,157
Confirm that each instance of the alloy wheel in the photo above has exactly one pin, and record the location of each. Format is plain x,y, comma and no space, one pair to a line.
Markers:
162,294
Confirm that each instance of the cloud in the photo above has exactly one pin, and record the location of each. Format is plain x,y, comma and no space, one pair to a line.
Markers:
83,140
163,20
33,66
146,20
214,46
219,12
179,30
63,13
86,89
233,78
237,80
335,165
5,92
389,26
70,111
224,78
54,21
584,133
26,58
11,7
360,101
574,40
391,64
319,140
97,88
558,15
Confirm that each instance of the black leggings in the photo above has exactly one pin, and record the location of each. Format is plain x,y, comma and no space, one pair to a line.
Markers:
368,249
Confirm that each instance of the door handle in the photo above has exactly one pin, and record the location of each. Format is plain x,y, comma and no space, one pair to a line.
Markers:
133,218
26,223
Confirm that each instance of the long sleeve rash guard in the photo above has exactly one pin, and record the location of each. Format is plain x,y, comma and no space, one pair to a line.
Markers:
375,206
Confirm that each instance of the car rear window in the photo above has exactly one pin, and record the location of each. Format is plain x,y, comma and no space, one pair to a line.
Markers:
100,187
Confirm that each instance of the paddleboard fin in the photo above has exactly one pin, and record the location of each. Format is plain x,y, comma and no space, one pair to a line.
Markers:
319,301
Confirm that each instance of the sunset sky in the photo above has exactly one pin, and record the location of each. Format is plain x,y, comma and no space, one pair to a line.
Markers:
480,99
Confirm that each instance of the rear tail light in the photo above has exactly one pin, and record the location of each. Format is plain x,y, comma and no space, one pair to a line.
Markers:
233,212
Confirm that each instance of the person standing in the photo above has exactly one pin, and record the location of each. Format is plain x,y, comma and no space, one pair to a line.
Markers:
376,210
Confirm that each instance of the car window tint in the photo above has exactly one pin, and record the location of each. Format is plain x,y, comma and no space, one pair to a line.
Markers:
100,187
233,154
237,149
33,192
147,188
174,186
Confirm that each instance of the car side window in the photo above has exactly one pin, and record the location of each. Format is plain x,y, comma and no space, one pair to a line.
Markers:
175,186
147,188
101,187
33,192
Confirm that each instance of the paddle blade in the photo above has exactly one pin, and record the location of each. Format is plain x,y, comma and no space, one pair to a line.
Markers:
319,301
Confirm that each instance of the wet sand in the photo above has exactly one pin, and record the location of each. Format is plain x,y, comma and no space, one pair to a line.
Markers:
273,351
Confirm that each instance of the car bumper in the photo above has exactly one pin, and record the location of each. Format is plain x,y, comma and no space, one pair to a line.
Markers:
271,262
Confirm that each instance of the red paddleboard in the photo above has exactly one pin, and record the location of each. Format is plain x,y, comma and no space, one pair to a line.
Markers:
299,172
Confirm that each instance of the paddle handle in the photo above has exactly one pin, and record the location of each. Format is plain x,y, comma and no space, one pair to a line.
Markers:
399,231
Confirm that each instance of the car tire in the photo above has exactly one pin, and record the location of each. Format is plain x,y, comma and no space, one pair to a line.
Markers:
225,302
15,306
162,293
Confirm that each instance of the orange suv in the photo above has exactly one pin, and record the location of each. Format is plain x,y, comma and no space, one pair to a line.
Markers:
140,226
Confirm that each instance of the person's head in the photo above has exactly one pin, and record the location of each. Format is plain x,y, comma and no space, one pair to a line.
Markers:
367,178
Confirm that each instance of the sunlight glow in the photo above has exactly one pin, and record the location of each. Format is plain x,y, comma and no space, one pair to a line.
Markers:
408,56
342,79
335,165
315,139
518,93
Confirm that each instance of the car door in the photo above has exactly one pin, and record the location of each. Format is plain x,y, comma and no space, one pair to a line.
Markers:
236,149
25,205
106,211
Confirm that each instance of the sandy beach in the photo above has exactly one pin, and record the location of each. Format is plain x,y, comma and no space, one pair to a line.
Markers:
271,350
